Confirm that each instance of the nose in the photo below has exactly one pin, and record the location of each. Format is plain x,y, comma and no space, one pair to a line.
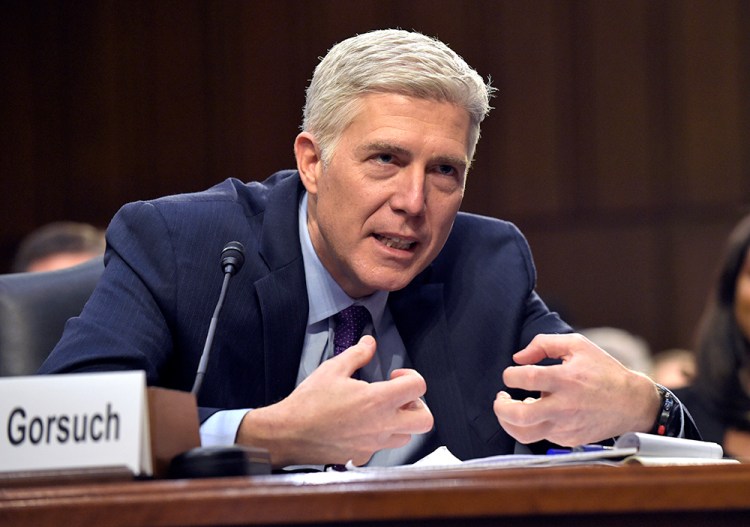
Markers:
410,194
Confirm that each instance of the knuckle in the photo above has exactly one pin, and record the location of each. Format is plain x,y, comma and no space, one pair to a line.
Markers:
579,339
428,421
532,375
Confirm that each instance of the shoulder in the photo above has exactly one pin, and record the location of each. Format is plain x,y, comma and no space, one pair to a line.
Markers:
485,254
230,197
184,225
253,195
477,240
470,227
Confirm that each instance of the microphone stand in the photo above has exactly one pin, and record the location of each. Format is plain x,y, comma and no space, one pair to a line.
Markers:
220,461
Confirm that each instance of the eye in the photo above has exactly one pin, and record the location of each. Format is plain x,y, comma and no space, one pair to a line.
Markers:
384,158
447,170
448,176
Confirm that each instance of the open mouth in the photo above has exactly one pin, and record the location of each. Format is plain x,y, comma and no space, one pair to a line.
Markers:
395,243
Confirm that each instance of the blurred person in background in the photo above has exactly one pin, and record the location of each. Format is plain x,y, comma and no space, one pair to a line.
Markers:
631,350
674,368
719,397
58,245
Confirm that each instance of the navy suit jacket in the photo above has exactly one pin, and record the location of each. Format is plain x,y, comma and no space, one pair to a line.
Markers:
461,319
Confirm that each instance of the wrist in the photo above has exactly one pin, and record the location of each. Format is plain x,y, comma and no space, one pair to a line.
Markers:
666,423
258,429
647,402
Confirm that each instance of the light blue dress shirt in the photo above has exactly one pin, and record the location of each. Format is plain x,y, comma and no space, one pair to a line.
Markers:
326,298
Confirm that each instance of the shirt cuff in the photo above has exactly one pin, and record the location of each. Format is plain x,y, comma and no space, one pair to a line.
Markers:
221,428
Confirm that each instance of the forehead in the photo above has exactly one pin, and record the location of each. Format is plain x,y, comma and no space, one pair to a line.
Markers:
410,122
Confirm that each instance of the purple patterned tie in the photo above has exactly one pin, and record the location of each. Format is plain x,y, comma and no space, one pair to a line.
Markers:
350,323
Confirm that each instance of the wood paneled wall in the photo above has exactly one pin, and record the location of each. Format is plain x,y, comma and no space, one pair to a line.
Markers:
619,141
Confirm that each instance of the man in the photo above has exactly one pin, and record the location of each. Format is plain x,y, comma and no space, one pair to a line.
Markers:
369,218
58,245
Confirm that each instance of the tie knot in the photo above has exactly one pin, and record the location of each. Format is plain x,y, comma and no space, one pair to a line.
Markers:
350,323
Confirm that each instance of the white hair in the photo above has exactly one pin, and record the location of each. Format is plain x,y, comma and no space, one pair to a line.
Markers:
389,61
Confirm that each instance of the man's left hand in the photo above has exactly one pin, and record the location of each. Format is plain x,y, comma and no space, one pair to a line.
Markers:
587,398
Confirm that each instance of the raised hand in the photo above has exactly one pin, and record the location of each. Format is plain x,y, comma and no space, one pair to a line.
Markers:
587,398
332,418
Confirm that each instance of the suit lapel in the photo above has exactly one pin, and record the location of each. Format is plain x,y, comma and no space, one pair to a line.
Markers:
283,303
282,293
420,317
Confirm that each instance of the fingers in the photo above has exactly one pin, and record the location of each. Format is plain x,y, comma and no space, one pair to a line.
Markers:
529,412
392,441
549,347
397,440
400,395
398,403
354,358
578,354
532,378
405,386
416,416
379,414
403,371
588,397
403,395
521,419
331,418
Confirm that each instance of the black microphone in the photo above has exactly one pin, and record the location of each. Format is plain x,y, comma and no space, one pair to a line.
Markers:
207,462
232,258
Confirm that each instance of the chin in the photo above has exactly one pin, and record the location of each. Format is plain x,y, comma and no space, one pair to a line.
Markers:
393,284
384,278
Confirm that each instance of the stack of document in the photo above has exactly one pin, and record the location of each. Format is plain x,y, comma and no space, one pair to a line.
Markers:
633,447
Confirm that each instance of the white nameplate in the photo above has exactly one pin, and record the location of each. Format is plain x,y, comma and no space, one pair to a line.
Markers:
75,421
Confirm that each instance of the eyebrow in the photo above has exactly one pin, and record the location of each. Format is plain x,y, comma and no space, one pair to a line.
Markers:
382,146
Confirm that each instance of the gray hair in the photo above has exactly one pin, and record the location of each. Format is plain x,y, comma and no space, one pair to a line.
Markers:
389,61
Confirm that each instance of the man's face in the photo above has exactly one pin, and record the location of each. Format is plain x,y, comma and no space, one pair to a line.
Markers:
383,207
742,297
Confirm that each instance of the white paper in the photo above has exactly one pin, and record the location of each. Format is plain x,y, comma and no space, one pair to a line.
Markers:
645,449
663,446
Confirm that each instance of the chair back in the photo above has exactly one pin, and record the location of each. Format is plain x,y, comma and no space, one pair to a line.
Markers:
34,308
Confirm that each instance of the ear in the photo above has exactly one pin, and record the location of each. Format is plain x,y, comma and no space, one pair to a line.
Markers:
309,160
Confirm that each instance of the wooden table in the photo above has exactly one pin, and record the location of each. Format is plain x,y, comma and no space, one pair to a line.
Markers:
559,496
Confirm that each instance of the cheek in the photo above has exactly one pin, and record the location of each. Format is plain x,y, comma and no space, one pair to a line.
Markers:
445,216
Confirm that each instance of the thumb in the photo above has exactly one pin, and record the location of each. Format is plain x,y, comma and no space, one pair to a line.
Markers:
355,357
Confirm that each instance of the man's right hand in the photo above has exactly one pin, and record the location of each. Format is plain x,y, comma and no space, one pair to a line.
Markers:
332,418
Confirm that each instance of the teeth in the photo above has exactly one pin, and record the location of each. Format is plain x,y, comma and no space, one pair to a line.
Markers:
396,243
